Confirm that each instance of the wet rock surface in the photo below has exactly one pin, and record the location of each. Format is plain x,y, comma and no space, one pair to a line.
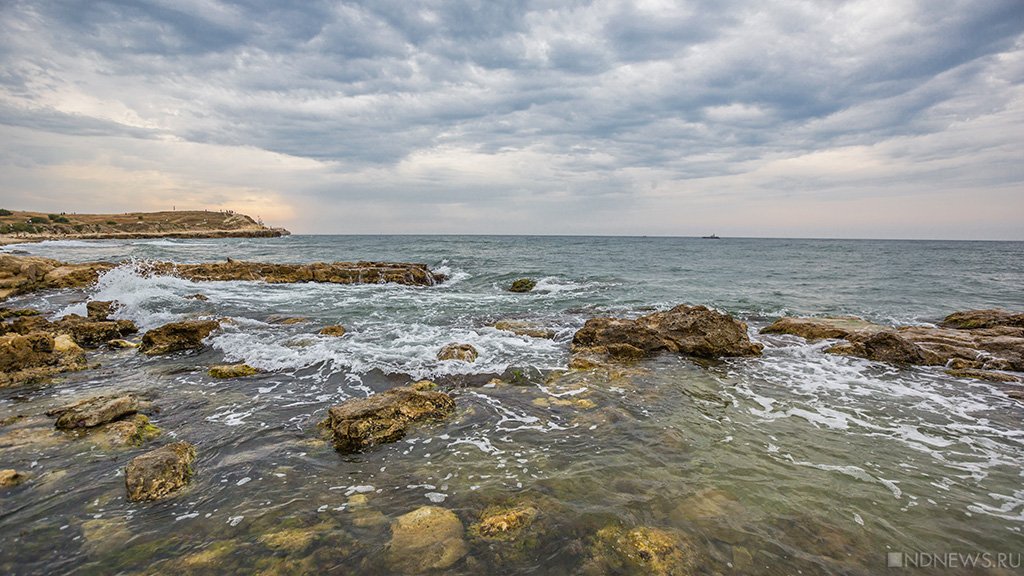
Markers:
160,473
456,351
690,330
37,356
362,423
95,411
522,285
427,539
232,371
822,328
177,336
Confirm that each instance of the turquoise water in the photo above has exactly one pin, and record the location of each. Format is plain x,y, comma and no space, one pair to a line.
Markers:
795,461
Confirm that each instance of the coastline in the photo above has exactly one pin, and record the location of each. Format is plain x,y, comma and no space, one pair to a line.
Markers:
8,239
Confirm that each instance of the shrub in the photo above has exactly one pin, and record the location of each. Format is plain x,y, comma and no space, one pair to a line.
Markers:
140,217
38,220
58,218
111,223
5,212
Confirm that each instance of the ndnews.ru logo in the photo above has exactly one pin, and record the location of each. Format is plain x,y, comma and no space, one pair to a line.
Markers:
953,560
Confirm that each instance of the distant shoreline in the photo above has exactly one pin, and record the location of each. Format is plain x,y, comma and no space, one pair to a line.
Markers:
19,227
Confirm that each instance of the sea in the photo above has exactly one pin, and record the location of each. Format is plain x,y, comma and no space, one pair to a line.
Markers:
795,462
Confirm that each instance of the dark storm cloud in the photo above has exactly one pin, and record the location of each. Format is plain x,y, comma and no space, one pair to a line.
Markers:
574,100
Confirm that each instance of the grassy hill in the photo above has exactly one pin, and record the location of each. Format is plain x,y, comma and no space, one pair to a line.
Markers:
180,223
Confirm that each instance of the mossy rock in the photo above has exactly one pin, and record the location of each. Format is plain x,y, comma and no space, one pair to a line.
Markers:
523,285
232,371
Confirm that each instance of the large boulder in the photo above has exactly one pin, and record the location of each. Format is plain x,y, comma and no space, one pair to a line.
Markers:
95,411
160,473
691,330
822,328
187,335
456,351
361,423
427,539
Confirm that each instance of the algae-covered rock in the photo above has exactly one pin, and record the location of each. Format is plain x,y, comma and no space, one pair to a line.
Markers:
36,356
232,371
11,477
160,473
426,539
525,328
99,310
361,423
522,285
95,411
336,330
975,319
455,351
504,522
640,551
134,431
187,335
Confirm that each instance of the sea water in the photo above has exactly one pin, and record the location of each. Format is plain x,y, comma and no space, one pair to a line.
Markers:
796,461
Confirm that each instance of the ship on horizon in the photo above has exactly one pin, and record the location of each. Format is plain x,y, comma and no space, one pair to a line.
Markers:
712,237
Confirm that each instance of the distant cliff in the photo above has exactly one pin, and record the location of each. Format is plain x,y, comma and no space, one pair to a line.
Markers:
20,226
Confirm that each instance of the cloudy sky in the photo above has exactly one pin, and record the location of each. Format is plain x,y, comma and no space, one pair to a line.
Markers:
823,118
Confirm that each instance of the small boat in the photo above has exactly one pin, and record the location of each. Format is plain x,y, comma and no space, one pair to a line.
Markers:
712,237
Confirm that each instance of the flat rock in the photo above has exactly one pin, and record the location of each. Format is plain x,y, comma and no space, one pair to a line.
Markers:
428,538
456,351
176,336
822,328
160,473
974,319
95,411
361,423
328,272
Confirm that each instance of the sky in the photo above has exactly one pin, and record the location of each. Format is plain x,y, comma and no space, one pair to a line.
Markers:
823,118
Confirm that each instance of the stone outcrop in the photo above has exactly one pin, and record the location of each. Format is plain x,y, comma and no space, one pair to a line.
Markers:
20,274
456,351
99,310
95,411
336,330
177,336
160,473
522,285
986,340
93,333
524,328
232,371
822,328
426,539
36,356
694,331
365,422
328,272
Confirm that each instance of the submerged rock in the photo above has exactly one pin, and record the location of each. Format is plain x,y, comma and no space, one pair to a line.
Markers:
187,335
428,538
361,423
336,330
525,328
10,478
642,550
232,371
523,285
822,328
160,473
95,411
690,330
455,351
504,523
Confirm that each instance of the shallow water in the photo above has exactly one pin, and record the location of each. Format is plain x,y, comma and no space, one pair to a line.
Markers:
793,462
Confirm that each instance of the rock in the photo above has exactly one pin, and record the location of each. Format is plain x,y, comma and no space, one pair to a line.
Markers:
122,343
504,523
428,538
455,351
6,313
199,297
523,285
424,385
99,310
187,335
691,330
21,274
988,375
92,333
892,348
232,371
336,330
286,320
974,319
36,356
821,328
328,272
361,423
95,411
290,540
10,478
642,550
134,431
524,328
160,473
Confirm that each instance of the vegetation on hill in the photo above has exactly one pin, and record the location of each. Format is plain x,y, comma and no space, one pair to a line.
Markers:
131,224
